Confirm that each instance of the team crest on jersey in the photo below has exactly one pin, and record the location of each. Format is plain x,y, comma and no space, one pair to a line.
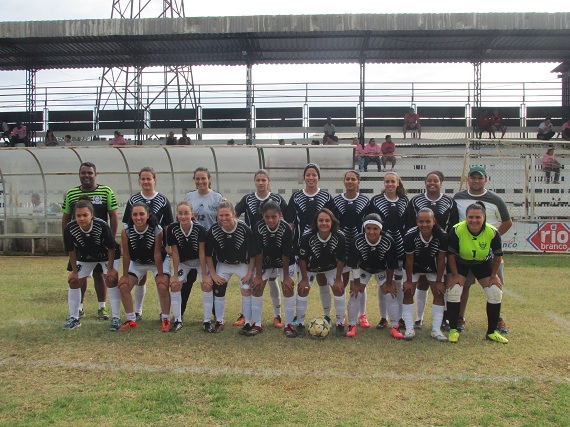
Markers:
79,267
97,200
302,251
180,273
482,245
362,276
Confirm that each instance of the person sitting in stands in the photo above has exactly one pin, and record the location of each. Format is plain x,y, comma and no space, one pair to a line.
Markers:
327,140
485,124
388,149
118,139
545,131
19,135
5,128
358,154
184,139
329,130
231,142
315,142
171,140
51,140
372,154
67,140
412,122
566,130
281,141
551,164
497,124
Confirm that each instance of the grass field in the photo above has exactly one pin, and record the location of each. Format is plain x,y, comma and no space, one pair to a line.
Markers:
91,376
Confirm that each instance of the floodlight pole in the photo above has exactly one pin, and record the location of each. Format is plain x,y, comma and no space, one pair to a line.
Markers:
361,101
249,100
31,104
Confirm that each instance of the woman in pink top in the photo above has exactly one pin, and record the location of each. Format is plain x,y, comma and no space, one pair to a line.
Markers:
118,139
358,154
551,164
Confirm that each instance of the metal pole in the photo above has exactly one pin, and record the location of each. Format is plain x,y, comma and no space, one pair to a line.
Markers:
362,98
249,136
31,104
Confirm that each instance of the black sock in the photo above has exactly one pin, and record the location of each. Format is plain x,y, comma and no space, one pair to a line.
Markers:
187,288
493,313
453,313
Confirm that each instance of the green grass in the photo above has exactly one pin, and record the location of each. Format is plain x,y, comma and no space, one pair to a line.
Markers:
91,376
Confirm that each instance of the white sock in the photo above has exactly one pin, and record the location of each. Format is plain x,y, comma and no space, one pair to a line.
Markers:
353,306
256,310
220,304
164,316
421,301
131,316
208,303
176,305
325,294
362,298
408,316
275,293
301,309
139,292
246,308
382,305
115,299
340,308
73,301
393,309
437,316
101,304
289,306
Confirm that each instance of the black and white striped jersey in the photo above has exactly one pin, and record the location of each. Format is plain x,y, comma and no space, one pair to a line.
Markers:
141,243
273,244
158,205
230,247
373,258
442,209
250,206
425,252
350,213
91,245
322,255
187,244
393,214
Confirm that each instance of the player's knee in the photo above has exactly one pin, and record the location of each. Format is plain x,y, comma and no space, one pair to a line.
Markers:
454,294
494,294
303,292
111,281
73,283
175,287
220,290
257,292
206,287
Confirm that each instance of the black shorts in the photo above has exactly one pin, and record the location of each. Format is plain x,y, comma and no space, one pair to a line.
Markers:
480,271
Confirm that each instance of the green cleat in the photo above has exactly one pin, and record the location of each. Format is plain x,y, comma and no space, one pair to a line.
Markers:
497,337
103,314
453,335
115,324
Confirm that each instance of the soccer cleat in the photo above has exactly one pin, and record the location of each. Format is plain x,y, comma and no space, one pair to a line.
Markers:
138,317
363,322
383,324
461,324
289,331
129,324
207,327
453,335
240,321
438,335
401,324
176,326
502,326
340,331
218,326
254,331
103,314
72,323
351,331
165,325
343,321
409,334
277,322
300,329
444,325
81,313
418,324
328,319
497,337
395,333
115,324
246,327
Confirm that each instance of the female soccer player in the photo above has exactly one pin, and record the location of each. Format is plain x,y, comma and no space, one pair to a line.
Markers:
141,239
230,241
371,253
274,246
350,208
391,205
425,246
475,246
301,210
442,206
89,242
160,207
322,251
250,206
187,240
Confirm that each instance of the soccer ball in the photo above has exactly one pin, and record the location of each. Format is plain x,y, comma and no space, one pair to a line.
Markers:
319,328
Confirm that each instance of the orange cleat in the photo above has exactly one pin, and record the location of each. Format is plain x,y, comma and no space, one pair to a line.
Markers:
363,321
129,324
240,321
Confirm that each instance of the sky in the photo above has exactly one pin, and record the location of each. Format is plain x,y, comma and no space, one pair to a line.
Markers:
18,10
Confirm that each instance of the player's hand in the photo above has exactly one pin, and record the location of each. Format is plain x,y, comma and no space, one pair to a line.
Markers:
161,279
288,284
408,287
356,288
124,280
246,279
257,283
217,279
495,280
303,284
338,286
440,288
72,276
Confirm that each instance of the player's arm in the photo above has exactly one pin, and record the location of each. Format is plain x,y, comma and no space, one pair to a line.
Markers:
114,221
125,251
505,226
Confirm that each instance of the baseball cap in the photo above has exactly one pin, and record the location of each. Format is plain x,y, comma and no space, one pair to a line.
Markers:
478,169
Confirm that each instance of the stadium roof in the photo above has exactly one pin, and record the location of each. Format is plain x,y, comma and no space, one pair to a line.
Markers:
305,39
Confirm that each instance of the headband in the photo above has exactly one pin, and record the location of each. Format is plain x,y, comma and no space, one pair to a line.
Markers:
372,221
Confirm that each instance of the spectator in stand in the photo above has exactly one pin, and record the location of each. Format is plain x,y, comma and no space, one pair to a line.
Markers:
497,124
545,131
231,142
388,149
118,139
67,140
551,164
294,143
358,154
315,142
38,206
19,135
566,130
5,128
484,123
327,140
185,139
51,140
281,141
412,122
372,154
171,139
329,130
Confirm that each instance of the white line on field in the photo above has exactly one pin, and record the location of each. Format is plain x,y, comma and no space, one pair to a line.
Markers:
199,370
560,320
512,294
